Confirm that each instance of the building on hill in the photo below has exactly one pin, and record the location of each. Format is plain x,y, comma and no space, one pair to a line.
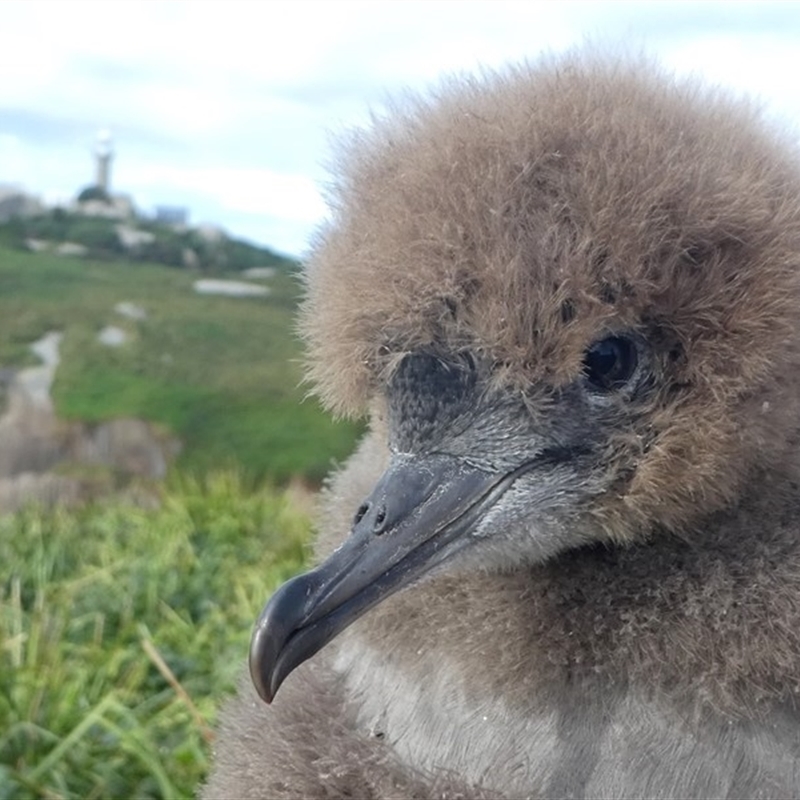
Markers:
103,153
97,200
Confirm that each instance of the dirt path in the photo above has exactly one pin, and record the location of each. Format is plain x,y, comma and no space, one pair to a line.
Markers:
30,389
31,439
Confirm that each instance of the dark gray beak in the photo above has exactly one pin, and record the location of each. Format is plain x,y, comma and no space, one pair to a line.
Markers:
416,517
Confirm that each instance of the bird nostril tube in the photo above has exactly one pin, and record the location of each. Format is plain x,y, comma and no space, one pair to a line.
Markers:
376,523
380,518
361,513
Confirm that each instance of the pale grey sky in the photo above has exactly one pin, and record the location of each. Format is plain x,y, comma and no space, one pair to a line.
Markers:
228,107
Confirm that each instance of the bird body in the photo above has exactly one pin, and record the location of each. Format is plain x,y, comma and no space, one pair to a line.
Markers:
568,296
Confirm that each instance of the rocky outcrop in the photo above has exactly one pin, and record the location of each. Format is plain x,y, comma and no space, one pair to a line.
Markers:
127,446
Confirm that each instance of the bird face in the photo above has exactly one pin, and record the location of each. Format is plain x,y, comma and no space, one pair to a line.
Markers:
572,298
477,476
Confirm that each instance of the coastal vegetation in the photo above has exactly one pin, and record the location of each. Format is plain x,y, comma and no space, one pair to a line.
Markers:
124,622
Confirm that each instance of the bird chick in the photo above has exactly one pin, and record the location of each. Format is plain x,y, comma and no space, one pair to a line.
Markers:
568,296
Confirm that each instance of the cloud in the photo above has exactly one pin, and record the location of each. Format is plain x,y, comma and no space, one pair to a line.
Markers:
251,191
225,107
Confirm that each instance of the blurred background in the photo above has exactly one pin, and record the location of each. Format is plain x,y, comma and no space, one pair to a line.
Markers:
162,170
225,109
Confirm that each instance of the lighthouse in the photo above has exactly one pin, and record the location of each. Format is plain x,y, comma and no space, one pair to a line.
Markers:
103,153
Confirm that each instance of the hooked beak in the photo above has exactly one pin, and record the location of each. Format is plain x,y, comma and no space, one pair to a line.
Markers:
415,518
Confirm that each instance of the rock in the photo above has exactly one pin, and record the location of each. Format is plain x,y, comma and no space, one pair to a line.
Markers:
30,442
130,446
230,288
131,238
71,249
112,336
130,310
45,489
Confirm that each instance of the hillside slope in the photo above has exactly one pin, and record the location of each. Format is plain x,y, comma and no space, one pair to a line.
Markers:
222,374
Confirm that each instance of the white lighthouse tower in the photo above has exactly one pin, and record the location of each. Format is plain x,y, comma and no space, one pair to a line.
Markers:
103,153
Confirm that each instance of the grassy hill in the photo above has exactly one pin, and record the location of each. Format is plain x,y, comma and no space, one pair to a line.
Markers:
222,373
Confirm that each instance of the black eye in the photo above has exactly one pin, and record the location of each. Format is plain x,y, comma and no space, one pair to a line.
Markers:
610,363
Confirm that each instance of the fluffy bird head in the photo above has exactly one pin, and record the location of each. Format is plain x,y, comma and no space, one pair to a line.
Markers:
569,295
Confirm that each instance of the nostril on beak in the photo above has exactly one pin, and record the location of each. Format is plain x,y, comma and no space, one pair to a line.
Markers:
373,518
380,518
361,513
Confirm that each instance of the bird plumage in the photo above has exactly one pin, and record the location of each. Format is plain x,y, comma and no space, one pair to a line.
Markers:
572,292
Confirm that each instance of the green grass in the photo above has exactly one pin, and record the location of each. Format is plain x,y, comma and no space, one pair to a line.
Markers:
121,631
223,374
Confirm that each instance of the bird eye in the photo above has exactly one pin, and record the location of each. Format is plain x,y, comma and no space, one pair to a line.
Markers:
610,363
